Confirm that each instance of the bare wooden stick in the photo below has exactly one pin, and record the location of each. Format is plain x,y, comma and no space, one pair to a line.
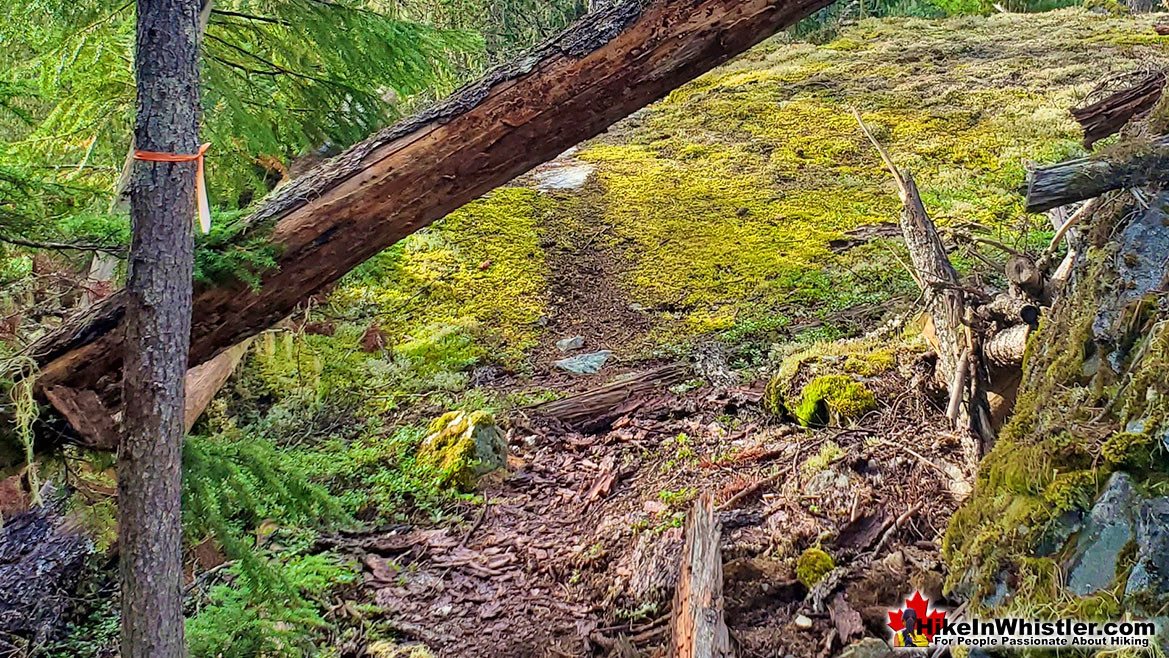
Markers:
958,386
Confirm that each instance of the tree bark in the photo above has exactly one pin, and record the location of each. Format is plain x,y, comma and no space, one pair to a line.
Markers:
157,329
1107,116
944,297
595,409
1088,178
612,63
697,626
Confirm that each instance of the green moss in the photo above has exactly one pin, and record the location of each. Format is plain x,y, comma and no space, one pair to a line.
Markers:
1075,421
812,565
870,364
1071,491
481,266
829,452
723,197
1128,449
837,398
773,397
462,447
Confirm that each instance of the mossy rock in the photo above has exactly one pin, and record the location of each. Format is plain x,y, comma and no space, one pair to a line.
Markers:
829,398
463,446
773,397
812,565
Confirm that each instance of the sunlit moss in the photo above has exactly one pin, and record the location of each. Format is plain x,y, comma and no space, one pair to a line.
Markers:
723,196
812,565
483,264
462,446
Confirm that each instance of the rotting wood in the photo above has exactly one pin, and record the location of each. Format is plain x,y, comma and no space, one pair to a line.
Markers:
1109,115
1005,349
1087,178
600,406
205,380
611,63
94,424
697,627
1024,273
98,428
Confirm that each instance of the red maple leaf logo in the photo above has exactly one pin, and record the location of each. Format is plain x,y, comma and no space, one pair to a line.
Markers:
929,621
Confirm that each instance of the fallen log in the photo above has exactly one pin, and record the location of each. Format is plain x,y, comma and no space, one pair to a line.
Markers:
205,380
97,428
1108,115
1087,178
324,224
697,626
600,406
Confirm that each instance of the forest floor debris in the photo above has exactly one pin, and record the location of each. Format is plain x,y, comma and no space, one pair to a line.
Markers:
576,547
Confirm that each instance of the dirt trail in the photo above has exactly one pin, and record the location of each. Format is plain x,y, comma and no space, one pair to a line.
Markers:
585,296
578,543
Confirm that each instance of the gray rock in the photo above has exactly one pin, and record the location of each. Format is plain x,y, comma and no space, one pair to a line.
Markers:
1108,529
585,364
1149,579
803,622
1140,267
570,344
1001,591
870,647
1057,536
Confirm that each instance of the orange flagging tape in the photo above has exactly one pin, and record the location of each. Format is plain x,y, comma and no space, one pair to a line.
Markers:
200,188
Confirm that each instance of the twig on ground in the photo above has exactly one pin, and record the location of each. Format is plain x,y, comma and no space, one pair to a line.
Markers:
901,520
475,526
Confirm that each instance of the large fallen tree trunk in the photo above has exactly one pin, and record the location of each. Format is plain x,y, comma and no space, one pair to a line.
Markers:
321,226
1088,178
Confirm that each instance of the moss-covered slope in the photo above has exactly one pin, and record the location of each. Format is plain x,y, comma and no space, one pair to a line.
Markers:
719,203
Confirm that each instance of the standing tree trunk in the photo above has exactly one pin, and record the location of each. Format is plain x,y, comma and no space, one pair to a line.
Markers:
158,328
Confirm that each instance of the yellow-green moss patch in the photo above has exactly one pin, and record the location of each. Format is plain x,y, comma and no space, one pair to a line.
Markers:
812,565
463,446
836,398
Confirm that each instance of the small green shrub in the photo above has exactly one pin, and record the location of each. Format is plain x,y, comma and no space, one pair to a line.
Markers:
243,620
829,452
812,565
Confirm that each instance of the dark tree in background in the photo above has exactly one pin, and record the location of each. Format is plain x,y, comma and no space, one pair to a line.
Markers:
158,327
